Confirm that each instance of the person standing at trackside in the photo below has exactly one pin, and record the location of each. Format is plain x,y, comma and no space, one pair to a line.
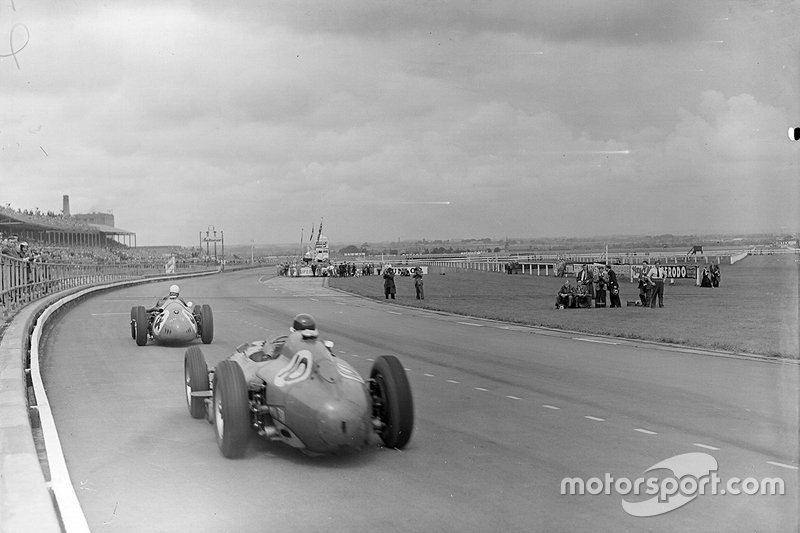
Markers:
644,284
586,279
389,288
602,287
656,276
715,275
613,287
418,283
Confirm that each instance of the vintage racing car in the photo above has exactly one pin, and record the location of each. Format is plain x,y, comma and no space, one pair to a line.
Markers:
173,323
295,390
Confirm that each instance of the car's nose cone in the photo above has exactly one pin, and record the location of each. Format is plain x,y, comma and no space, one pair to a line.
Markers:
341,424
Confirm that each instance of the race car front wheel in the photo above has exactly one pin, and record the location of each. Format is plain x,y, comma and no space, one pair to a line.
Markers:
141,325
206,324
392,403
195,373
231,410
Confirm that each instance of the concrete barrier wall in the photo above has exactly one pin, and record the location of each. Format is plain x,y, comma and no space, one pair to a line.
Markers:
25,502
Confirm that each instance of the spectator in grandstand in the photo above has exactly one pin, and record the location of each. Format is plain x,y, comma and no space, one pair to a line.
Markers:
389,288
613,287
656,277
10,247
418,285
566,296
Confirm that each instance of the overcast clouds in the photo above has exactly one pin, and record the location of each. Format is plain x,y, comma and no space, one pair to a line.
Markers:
530,118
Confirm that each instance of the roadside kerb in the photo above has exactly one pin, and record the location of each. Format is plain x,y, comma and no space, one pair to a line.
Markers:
29,501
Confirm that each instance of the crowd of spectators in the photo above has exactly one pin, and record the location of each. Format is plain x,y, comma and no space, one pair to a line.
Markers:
49,218
333,270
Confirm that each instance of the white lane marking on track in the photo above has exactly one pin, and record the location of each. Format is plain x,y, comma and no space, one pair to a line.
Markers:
471,324
645,431
453,381
370,359
314,299
429,375
782,465
394,312
551,407
512,397
407,369
706,446
340,303
355,355
594,340
481,389
596,419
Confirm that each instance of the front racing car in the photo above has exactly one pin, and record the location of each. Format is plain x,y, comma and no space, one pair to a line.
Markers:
295,390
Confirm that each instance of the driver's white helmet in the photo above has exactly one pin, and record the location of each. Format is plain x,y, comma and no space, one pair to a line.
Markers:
174,291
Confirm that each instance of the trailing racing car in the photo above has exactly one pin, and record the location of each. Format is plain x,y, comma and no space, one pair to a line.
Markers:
173,322
295,390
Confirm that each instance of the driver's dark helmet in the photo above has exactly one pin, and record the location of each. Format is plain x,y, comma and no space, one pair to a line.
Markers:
303,321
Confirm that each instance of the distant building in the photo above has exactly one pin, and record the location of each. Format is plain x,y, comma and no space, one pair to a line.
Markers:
104,219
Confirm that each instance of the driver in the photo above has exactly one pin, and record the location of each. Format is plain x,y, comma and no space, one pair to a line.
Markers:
174,294
304,323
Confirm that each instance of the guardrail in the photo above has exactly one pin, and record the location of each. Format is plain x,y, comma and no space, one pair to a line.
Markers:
23,281
545,265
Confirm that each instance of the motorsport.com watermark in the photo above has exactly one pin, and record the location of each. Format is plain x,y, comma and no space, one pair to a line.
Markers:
693,474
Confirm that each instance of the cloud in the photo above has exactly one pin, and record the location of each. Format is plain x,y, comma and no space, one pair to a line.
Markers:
256,117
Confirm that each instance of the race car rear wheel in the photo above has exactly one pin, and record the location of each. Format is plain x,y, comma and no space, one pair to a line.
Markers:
133,323
141,319
195,372
231,409
392,403
206,324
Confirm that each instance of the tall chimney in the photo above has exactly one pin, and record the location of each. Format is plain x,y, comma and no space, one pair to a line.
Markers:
65,208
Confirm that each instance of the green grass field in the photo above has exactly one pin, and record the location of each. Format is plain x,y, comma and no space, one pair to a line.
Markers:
755,309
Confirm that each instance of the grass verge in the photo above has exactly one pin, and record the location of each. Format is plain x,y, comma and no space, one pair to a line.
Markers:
755,309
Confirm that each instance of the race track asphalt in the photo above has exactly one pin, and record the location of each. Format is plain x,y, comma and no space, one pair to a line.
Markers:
503,414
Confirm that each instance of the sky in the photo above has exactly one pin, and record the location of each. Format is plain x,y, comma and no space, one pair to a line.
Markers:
403,120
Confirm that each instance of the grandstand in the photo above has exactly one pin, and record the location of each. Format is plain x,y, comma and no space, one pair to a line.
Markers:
94,230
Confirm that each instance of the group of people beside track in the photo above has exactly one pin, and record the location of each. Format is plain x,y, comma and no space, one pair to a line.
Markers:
595,288
390,288
591,289
710,276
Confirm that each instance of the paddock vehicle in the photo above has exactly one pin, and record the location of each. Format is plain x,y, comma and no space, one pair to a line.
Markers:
295,390
173,323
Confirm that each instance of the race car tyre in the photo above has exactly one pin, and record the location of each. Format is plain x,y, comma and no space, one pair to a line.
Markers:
392,403
141,325
206,324
133,323
195,373
231,410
